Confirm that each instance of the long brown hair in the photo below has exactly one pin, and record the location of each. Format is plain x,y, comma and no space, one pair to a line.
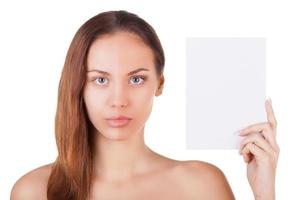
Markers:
71,174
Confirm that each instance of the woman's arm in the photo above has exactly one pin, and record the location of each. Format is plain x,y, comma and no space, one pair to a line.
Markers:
261,151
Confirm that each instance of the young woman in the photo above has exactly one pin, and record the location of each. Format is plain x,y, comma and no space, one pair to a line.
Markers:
113,69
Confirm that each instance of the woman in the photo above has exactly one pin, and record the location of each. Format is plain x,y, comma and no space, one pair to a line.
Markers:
113,70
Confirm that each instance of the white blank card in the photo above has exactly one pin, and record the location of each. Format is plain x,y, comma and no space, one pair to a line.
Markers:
225,90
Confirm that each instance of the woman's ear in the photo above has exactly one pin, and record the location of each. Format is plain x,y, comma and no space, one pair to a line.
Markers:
160,85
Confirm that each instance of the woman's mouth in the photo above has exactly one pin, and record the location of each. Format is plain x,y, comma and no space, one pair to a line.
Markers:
118,121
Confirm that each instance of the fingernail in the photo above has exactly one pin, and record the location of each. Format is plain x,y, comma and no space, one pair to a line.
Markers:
270,101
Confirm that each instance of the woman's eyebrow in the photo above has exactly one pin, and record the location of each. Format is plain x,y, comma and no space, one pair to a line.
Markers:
130,73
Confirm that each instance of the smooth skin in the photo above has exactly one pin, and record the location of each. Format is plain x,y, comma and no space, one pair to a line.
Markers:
140,173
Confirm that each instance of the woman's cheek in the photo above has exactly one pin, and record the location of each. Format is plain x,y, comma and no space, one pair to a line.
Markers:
95,107
143,106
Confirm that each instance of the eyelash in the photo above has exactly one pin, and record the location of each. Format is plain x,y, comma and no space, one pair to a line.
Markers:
141,77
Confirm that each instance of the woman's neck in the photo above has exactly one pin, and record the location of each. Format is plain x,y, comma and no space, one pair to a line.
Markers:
121,160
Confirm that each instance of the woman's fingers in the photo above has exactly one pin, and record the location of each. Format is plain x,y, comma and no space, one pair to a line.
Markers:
270,114
251,148
255,128
267,129
258,140
263,128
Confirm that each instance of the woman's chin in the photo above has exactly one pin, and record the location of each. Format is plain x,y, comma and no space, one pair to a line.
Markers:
116,134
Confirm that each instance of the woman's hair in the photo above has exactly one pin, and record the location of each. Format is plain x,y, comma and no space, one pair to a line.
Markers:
71,174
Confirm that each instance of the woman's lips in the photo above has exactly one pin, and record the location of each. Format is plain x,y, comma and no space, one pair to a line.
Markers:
119,117
115,123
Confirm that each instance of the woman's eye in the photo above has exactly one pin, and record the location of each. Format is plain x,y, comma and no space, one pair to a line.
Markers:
136,78
100,80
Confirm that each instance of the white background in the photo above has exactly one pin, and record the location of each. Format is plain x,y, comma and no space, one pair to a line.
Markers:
35,36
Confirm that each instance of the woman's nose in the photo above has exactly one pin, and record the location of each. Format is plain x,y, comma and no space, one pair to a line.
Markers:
119,96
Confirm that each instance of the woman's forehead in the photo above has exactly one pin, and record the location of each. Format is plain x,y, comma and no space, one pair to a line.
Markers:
117,50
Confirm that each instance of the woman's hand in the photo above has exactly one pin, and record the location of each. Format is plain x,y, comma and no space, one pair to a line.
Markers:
260,150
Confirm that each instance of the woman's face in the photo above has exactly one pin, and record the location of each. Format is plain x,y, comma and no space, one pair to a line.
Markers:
123,89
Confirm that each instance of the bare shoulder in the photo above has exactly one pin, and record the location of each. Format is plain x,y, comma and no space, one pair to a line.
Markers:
203,180
32,185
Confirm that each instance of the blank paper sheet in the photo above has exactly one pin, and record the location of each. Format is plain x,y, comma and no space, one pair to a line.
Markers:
225,90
